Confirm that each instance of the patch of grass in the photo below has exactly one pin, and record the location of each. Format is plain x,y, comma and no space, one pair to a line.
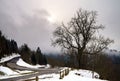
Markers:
2,73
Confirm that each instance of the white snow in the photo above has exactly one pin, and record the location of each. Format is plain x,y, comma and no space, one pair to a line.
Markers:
71,76
10,73
7,70
20,62
86,73
24,71
7,58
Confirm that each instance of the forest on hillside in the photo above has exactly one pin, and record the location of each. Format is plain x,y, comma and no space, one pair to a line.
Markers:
7,47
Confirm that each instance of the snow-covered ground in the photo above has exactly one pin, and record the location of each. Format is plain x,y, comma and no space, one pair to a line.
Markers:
7,58
20,62
10,73
85,75
74,75
7,70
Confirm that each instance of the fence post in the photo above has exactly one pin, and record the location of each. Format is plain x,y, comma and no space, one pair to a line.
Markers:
60,75
64,72
36,78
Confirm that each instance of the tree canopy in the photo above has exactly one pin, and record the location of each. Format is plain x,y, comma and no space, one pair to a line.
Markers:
81,35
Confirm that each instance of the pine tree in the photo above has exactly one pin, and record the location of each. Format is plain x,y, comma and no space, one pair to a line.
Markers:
25,53
44,60
33,59
38,56
14,46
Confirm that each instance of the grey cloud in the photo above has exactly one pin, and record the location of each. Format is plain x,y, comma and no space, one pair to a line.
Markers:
36,31
31,28
7,25
25,20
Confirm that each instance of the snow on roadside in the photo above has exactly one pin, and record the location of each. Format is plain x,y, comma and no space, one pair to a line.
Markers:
20,62
7,70
86,77
24,71
86,73
7,58
70,77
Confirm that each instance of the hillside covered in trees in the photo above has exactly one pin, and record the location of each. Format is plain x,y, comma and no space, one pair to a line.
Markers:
7,47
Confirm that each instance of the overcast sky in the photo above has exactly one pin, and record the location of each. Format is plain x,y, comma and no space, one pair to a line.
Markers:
32,21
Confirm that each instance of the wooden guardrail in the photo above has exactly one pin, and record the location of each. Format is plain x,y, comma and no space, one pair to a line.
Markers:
64,72
36,79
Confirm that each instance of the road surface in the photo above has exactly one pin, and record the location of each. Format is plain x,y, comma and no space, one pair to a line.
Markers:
37,72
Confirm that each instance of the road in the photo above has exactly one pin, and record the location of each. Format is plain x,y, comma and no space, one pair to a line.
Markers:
25,77
12,64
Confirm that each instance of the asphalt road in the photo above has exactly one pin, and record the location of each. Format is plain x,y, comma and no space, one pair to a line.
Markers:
27,76
12,64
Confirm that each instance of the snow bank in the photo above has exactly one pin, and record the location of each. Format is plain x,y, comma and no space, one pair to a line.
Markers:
24,71
73,77
86,76
7,58
20,62
7,70
86,73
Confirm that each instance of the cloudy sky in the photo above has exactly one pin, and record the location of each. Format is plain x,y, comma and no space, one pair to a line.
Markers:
33,21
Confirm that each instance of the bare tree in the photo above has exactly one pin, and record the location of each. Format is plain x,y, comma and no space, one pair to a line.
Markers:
81,34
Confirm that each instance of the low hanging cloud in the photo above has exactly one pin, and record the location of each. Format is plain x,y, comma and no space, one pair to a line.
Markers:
33,29
36,30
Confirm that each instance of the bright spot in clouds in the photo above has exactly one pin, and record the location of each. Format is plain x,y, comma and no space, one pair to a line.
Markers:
51,19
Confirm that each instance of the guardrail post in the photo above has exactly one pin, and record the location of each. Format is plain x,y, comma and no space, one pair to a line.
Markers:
64,72
36,78
60,75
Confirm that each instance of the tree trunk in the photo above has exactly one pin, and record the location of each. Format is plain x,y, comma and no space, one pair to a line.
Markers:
79,58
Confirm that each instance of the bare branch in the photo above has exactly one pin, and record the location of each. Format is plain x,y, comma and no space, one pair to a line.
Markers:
79,34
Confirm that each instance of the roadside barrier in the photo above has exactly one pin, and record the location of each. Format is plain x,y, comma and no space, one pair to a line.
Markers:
36,79
64,72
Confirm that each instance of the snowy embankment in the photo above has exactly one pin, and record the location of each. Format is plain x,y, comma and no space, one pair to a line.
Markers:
20,62
85,75
7,58
7,70
12,73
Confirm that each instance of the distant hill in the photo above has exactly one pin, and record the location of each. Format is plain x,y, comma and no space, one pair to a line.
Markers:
114,55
